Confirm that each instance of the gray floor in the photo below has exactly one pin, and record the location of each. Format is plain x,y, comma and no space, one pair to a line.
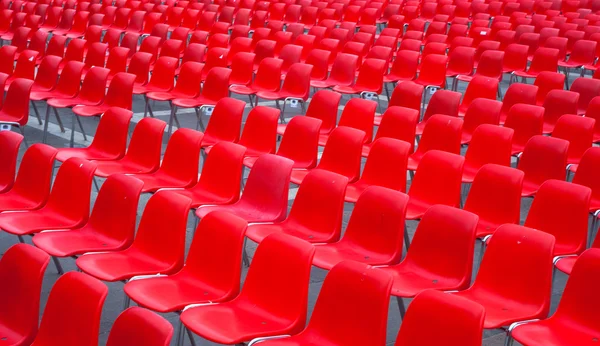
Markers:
113,305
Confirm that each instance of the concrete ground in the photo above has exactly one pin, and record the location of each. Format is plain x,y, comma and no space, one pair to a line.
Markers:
113,304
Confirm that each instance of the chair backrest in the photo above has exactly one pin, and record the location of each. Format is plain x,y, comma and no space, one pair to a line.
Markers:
495,195
359,113
588,88
443,244
433,70
386,164
459,320
342,70
370,75
561,209
559,102
481,111
510,247
342,153
360,323
188,82
9,151
377,223
226,120
140,326
300,141
547,81
146,143
407,94
112,132
222,171
438,178
443,102
260,130
441,132
267,185
517,93
16,104
490,144
578,131
162,229
35,174
526,120
117,60
544,158
216,85
120,91
479,87
297,81
22,270
399,123
182,156
544,59
242,68
164,73
324,106
75,298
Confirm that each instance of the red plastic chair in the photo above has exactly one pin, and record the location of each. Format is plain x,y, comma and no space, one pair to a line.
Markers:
489,144
260,132
481,111
139,326
397,122
342,72
544,59
255,205
578,131
282,306
268,78
77,299
385,152
336,323
459,320
460,62
157,248
225,122
547,81
441,132
527,121
442,102
561,209
441,256
515,58
525,292
241,69
22,266
494,186
557,103
9,151
407,95
359,114
117,61
369,80
404,68
573,320
515,94
588,88
324,106
110,140
179,168
110,227
161,80
15,110
593,111
479,87
543,158
436,181
119,94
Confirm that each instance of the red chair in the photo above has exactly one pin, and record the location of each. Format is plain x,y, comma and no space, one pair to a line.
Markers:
22,266
561,209
593,111
460,62
404,68
479,87
515,94
385,166
544,59
432,73
110,227
581,55
336,323
578,131
557,103
77,299
161,80
137,325
407,95
547,81
588,88
324,106
369,80
460,320
543,158
268,78
442,102
255,206
225,122
260,132
489,144
481,111
282,306
119,94
215,88
441,256
179,168
441,132
15,110
110,140
359,114
436,181
296,87
515,58
495,185
241,68
573,320
9,151
397,122
526,121
157,248
525,291
342,72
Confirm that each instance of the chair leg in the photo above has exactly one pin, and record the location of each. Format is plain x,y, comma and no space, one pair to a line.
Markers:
423,104
245,258
146,105
387,92
62,128
401,307
191,337
72,142
96,184
171,118
200,124
21,240
150,110
303,105
406,238
24,138
251,101
81,128
46,120
282,114
59,268
180,333
126,301
37,113
481,252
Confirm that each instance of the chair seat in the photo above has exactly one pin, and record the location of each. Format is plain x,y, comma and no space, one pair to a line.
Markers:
464,78
570,64
525,74
298,176
276,95
529,188
203,197
195,102
122,265
517,148
6,118
30,222
500,312
485,228
244,90
548,127
410,281
147,89
88,153
413,160
327,256
233,322
566,264
469,171
168,95
172,293
392,78
71,102
554,332
11,337
354,190
88,111
249,162
416,208
124,166
258,232
160,180
44,95
12,201
76,242
350,89
250,213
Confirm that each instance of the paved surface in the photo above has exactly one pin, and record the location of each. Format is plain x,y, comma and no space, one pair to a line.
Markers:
113,304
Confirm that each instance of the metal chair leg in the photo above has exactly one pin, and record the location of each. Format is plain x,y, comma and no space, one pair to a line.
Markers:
126,301
171,118
24,138
37,113
146,105
58,120
406,238
47,119
401,307
59,268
